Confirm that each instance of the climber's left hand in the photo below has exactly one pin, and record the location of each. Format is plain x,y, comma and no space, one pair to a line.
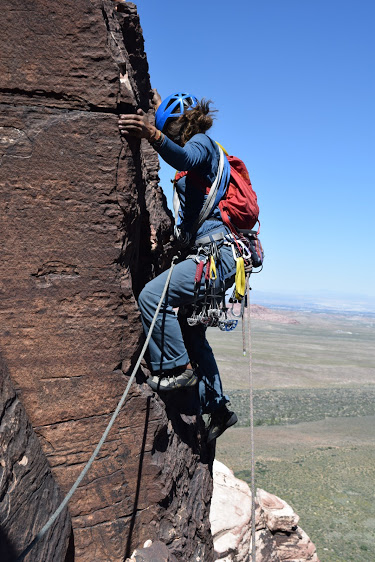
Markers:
136,125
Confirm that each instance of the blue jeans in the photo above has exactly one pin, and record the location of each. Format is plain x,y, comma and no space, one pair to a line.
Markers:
173,342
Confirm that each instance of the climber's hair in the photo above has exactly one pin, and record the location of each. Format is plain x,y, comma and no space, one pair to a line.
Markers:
196,120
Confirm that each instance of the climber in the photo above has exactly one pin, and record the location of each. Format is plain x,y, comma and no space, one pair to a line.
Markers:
180,355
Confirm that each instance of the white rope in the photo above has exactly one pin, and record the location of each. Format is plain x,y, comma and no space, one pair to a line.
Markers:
86,468
252,459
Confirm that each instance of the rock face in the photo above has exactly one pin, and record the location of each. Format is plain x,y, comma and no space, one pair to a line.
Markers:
278,536
152,552
83,226
26,484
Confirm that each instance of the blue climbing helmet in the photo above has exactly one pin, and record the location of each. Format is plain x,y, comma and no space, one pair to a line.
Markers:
172,107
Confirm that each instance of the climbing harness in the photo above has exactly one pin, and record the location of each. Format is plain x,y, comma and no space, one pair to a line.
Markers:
86,468
209,306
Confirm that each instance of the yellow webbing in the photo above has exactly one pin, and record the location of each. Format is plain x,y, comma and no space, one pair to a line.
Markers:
240,279
213,274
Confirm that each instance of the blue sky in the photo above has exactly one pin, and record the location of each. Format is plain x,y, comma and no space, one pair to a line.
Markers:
293,81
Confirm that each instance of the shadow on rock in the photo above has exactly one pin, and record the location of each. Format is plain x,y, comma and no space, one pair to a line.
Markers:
139,478
7,552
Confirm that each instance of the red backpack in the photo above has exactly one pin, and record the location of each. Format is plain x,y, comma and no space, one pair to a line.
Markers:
238,207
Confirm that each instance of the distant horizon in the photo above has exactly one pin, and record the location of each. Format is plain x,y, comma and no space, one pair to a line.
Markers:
321,293
320,300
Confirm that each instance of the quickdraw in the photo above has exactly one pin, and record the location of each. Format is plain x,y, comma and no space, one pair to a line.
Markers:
210,310
241,249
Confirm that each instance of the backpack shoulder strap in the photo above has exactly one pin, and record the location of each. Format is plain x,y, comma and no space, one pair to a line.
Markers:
210,202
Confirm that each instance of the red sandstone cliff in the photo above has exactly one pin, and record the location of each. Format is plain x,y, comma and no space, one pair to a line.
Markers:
83,226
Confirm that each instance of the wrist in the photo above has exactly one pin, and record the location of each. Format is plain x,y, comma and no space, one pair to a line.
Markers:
155,135
156,140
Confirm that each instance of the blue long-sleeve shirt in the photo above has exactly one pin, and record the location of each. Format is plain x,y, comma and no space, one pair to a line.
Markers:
200,154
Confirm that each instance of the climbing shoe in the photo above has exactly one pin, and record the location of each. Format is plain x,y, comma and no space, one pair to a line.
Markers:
172,380
220,420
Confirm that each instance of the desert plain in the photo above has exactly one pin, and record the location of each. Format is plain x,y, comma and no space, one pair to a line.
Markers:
314,420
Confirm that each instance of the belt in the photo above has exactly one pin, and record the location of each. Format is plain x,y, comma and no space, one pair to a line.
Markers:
209,239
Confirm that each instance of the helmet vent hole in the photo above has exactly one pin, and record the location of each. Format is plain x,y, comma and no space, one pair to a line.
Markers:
170,103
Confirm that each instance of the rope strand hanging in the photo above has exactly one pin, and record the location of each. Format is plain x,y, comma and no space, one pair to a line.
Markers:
251,404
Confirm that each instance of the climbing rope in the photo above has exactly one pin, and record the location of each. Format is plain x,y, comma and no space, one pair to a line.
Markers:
86,468
252,460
